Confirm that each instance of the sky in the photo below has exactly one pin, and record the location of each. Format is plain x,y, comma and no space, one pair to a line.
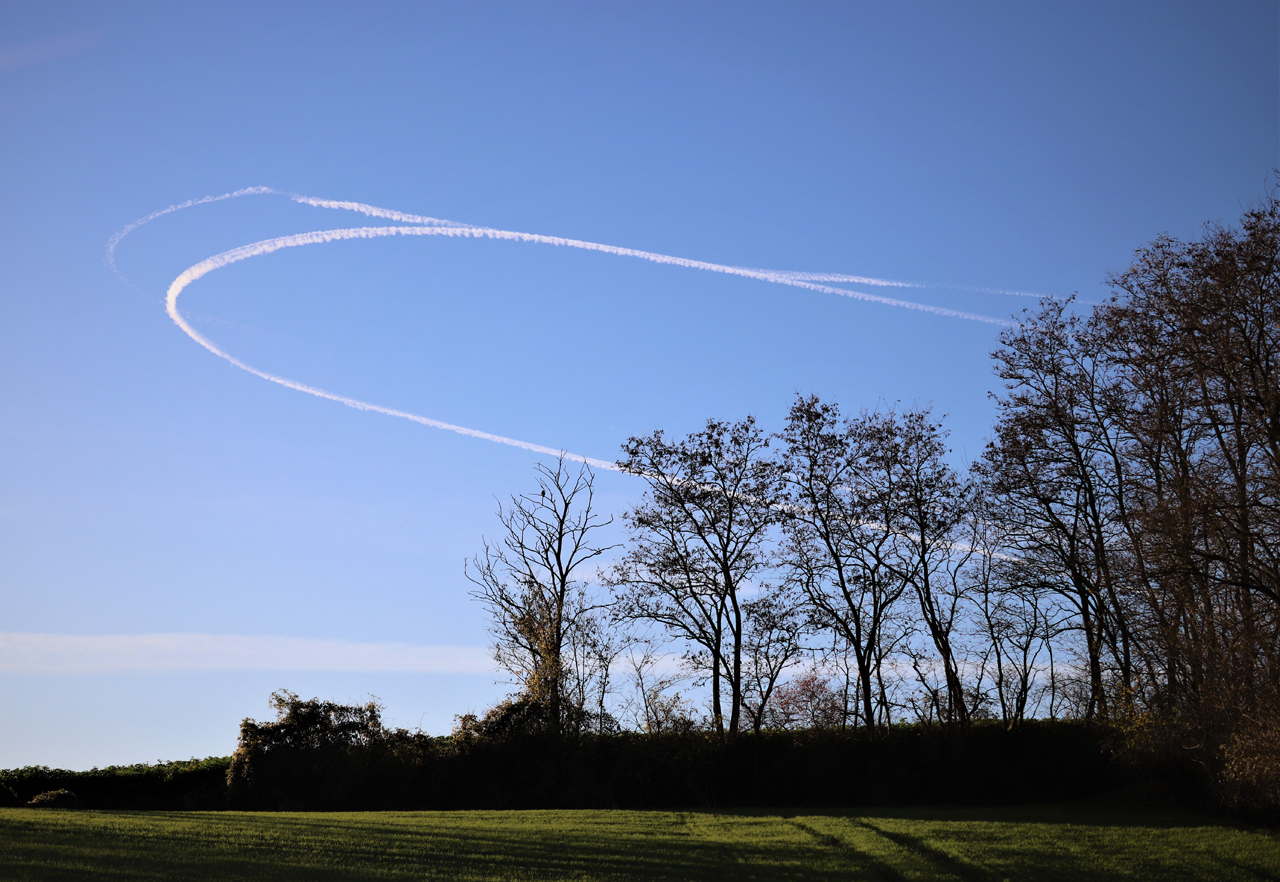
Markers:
179,537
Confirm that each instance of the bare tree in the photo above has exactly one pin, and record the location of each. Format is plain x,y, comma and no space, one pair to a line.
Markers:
593,648
930,521
697,544
775,628
1195,343
1015,619
543,619
1136,469
1059,477
838,543
651,707
838,659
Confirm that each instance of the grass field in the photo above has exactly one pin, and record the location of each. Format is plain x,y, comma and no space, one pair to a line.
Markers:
1033,843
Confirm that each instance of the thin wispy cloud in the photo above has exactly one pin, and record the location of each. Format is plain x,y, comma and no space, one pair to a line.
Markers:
48,49
31,653
430,226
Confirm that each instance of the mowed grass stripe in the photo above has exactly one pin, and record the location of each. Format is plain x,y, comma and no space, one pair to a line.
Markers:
958,845
870,855
462,845
1049,844
943,864
765,846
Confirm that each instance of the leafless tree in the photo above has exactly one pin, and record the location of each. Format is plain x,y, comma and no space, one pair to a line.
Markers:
1196,340
775,629
698,543
931,525
1136,466
652,708
543,620
838,542
1015,621
1057,468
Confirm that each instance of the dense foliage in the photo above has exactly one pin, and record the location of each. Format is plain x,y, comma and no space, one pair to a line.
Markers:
183,785
320,756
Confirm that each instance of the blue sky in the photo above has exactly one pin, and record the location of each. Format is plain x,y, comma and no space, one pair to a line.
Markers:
149,489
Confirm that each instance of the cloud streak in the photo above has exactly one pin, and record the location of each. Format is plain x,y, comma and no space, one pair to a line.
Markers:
266,247
420,225
29,653
120,234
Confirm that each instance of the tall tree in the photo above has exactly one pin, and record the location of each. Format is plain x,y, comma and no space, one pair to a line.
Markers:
1137,468
932,527
1016,615
698,544
775,630
838,546
530,581
1196,336
1057,468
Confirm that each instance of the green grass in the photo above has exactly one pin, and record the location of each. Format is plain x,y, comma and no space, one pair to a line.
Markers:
1033,843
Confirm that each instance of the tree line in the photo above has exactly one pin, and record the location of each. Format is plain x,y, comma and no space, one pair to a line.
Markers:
1113,555
1093,603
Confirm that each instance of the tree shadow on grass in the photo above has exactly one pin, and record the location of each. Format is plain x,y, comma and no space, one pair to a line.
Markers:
1098,841
462,846
970,844
1084,813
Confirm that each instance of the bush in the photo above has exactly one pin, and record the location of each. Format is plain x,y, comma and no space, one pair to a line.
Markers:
319,755
479,768
185,784
63,799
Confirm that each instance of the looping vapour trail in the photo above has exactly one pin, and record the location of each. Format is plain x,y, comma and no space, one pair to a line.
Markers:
244,253
429,226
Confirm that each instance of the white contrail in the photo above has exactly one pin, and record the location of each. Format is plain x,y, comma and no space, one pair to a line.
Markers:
777,277
1007,292
897,283
373,211
840,277
891,283
266,247
429,226
115,239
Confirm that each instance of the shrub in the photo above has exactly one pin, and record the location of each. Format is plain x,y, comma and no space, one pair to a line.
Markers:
63,799
1251,774
319,755
172,786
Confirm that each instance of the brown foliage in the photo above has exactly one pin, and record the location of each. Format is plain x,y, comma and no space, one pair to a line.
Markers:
63,799
1137,464
806,702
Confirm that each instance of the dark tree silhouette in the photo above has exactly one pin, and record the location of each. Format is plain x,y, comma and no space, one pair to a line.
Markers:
697,543
838,547
542,618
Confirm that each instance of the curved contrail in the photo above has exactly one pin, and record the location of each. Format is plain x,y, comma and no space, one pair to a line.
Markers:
115,239
428,226
266,247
